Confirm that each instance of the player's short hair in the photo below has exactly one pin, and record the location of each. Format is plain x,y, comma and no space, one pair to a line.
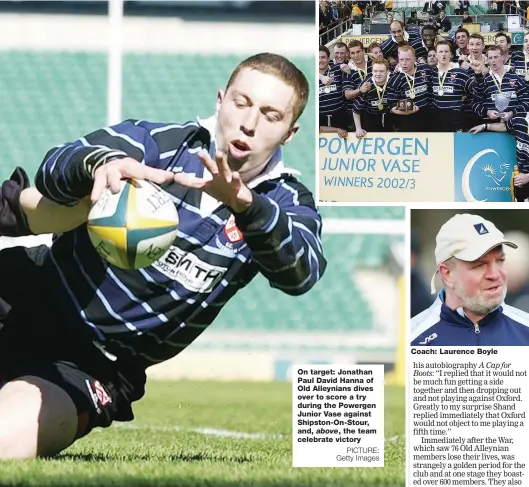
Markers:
374,45
380,61
443,43
493,48
283,69
502,34
428,27
462,29
325,49
475,35
340,44
406,47
356,43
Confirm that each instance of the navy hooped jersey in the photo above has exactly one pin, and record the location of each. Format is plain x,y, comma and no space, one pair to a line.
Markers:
354,80
518,126
520,64
371,101
452,89
419,84
512,86
152,314
331,99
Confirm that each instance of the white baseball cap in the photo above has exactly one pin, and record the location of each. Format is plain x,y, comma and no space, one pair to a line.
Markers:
467,237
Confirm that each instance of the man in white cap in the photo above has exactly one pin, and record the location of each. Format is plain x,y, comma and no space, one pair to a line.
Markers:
470,309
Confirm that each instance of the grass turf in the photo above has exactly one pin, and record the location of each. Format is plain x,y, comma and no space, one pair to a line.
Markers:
176,440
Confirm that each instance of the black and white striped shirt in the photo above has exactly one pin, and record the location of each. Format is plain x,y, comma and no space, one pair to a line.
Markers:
354,80
518,126
456,85
512,85
152,314
331,99
390,46
403,84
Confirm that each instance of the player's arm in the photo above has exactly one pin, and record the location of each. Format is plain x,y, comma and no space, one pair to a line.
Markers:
24,211
284,235
131,149
45,216
491,127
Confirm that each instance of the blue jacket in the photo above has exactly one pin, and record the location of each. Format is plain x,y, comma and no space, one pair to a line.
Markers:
441,326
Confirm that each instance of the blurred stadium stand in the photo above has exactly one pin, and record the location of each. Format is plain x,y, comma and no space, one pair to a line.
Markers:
52,96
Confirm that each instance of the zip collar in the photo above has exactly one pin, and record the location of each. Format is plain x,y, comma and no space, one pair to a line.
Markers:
275,167
458,317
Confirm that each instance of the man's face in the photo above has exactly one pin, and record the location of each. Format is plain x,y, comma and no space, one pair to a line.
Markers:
428,37
254,119
480,286
357,55
377,52
502,43
380,73
406,61
432,58
495,58
323,62
339,55
443,54
475,46
442,15
461,40
396,31
526,43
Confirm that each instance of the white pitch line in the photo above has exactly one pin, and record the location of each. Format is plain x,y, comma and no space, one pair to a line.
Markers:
220,433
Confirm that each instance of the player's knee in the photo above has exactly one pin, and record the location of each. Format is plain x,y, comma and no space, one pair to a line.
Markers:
37,418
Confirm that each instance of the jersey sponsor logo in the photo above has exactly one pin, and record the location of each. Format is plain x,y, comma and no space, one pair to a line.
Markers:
522,146
429,339
417,90
374,103
446,89
328,89
190,271
233,234
453,76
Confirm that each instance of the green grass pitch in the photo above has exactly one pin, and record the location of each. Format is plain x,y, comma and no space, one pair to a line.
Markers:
207,434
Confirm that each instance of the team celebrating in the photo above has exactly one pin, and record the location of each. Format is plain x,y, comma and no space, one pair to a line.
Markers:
428,83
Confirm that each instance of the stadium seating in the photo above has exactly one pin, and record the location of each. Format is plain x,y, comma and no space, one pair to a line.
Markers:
48,98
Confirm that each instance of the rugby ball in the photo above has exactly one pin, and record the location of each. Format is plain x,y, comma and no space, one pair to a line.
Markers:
135,227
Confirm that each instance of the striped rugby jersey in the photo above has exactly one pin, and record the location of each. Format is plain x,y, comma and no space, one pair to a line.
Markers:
390,47
457,88
354,80
152,314
421,82
511,84
518,126
331,99
520,64
369,101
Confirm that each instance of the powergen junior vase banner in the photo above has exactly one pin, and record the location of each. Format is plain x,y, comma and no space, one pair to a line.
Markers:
416,167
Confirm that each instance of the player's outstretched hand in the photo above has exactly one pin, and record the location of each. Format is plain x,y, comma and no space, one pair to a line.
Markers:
225,185
109,175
